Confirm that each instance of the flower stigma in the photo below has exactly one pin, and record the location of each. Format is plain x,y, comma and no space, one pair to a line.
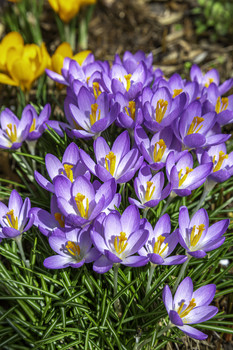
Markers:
193,129
149,192
73,249
221,104
130,110
158,153
128,82
157,246
60,219
93,116
194,239
184,177
176,92
112,162
160,110
12,134
210,80
221,158
79,198
12,220
120,242
187,310
96,89
69,172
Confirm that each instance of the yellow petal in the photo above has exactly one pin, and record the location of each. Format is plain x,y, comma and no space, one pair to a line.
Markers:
64,50
81,56
21,71
5,79
12,39
68,9
12,54
57,63
54,5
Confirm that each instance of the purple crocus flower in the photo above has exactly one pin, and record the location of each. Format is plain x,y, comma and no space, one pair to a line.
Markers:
118,238
48,222
73,248
212,76
81,201
15,218
192,128
156,150
160,109
119,80
222,162
14,131
91,115
160,243
71,166
130,61
176,85
119,162
148,188
72,70
223,106
130,112
183,177
190,307
38,122
195,235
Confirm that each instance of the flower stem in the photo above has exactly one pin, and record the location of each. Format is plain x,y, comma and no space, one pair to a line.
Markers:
181,274
209,185
117,304
18,240
151,272
169,200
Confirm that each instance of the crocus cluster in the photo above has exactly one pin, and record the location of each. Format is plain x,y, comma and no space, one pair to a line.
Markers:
162,138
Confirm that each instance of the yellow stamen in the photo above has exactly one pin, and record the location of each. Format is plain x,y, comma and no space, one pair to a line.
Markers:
194,125
96,89
33,126
160,110
12,220
157,245
93,115
221,104
73,248
130,110
184,177
176,92
128,82
184,313
60,219
112,159
158,154
12,134
120,242
149,193
69,173
79,201
194,239
87,80
221,158
211,80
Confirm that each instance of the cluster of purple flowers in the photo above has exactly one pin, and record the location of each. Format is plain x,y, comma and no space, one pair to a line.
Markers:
184,119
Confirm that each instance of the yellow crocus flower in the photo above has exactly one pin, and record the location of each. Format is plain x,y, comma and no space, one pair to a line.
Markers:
64,50
22,64
67,9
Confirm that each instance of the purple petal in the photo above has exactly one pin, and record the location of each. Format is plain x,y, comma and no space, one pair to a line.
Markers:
184,292
175,318
102,265
204,295
201,314
193,332
167,298
57,262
